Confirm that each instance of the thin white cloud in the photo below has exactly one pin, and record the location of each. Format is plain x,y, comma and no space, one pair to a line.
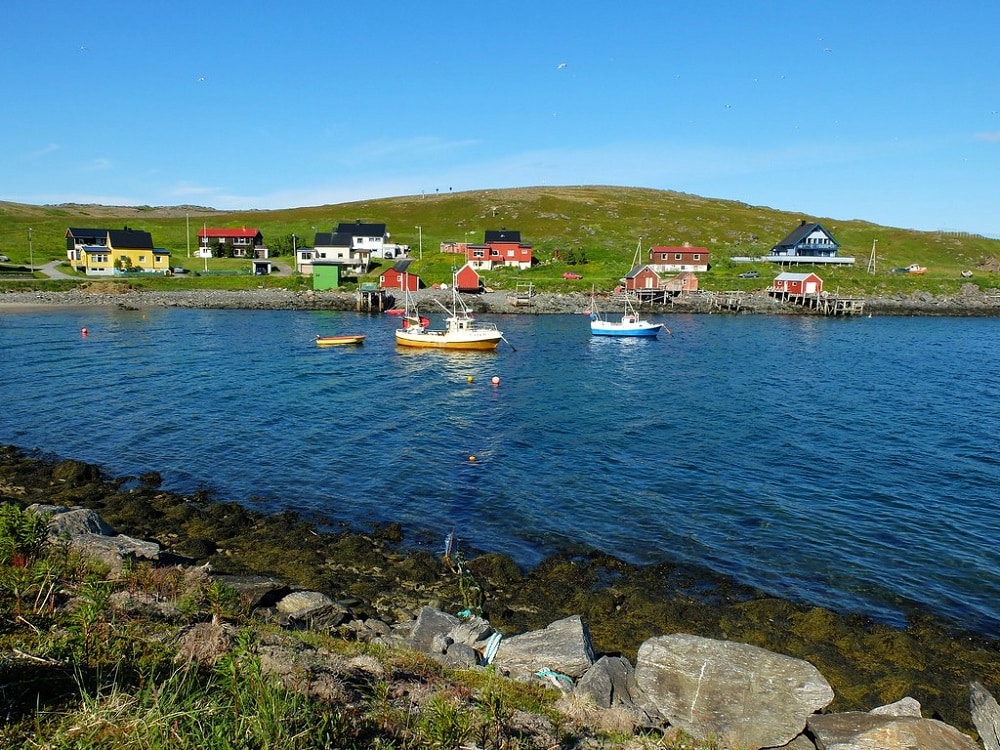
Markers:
45,151
990,137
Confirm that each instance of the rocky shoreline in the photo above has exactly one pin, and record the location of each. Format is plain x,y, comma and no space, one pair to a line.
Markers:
373,575
969,301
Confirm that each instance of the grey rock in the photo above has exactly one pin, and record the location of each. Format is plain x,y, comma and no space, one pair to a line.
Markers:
903,707
430,624
70,522
298,601
459,655
563,647
985,716
743,695
866,731
113,550
472,631
311,610
609,682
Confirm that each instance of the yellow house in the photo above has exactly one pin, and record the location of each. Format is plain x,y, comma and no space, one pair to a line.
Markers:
117,251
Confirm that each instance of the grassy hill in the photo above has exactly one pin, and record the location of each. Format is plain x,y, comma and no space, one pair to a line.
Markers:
600,225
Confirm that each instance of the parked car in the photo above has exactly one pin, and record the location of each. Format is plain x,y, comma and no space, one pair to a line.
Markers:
4,259
749,275
571,275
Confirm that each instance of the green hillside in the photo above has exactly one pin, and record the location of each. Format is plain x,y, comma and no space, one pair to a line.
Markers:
595,230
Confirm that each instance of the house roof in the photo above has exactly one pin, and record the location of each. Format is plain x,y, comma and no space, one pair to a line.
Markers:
680,249
802,231
789,276
232,232
358,229
333,239
86,233
400,266
502,235
638,269
130,238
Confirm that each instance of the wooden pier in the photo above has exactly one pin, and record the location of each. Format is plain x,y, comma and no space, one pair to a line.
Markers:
824,303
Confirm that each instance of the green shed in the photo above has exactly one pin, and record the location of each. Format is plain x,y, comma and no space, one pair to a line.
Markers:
326,275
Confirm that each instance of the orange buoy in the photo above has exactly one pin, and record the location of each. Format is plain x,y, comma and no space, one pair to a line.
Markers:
472,458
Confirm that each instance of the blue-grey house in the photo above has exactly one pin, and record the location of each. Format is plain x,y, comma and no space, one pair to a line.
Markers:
808,243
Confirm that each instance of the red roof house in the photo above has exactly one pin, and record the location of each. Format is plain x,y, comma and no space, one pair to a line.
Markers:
501,247
399,278
243,241
797,283
664,258
467,280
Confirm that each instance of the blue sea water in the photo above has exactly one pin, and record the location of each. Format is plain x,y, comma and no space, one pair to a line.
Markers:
852,464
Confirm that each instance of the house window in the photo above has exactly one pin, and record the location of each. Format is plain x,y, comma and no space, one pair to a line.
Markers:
696,256
677,256
478,254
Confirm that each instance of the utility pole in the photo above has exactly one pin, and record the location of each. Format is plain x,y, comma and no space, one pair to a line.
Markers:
420,241
871,260
31,252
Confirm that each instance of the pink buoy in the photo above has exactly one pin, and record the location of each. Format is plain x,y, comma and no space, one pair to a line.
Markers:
83,331
496,380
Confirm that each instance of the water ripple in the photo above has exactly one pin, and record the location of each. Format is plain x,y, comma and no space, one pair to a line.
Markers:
851,464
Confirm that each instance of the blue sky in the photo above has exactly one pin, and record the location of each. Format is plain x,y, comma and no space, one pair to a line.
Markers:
882,111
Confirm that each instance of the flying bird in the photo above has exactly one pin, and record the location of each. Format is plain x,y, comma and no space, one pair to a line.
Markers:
560,66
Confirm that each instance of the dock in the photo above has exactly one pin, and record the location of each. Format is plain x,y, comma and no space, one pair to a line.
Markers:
823,302
372,298
522,295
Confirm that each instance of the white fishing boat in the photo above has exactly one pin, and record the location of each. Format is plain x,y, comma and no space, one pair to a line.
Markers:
629,324
461,330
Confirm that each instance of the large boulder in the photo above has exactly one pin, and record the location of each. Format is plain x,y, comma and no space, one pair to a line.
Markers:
743,695
856,730
88,534
985,715
609,682
70,522
564,648
310,610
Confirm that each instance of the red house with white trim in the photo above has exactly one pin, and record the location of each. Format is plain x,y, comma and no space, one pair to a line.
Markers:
797,283
685,258
501,247
467,280
646,278
643,277
241,242
398,277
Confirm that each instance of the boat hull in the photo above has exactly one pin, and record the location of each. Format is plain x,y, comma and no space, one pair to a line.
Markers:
645,330
427,339
339,340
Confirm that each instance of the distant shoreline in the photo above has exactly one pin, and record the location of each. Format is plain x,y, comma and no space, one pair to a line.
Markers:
969,302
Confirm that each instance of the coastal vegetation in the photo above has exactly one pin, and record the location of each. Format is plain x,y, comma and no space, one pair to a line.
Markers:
591,230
